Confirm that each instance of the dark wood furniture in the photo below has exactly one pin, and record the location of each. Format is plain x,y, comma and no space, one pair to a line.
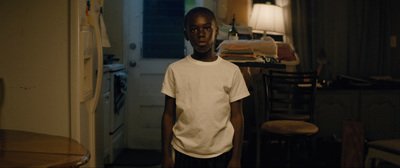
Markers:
29,149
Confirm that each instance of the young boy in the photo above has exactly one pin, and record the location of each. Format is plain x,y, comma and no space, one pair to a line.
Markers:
202,114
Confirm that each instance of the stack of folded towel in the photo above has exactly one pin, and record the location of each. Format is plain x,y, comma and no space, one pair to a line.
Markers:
237,52
248,49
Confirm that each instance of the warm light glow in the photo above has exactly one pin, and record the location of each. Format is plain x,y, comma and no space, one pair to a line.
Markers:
269,18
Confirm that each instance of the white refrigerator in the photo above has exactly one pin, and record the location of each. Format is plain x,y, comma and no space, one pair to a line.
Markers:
49,53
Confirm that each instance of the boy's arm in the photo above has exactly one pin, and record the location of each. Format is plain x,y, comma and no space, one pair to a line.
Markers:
168,120
237,122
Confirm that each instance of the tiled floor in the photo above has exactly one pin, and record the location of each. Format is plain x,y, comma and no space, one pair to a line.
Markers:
327,155
269,159
130,158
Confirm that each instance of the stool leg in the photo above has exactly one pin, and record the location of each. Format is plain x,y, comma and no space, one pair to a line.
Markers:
311,153
258,150
288,152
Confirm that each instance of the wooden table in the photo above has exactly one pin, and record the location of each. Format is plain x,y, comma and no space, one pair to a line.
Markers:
28,149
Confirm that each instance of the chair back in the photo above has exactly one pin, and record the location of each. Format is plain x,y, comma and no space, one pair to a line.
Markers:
290,95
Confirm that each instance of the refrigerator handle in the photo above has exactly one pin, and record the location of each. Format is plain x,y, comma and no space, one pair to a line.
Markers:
99,47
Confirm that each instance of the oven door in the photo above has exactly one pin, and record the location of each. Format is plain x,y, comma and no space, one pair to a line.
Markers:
118,100
119,90
117,114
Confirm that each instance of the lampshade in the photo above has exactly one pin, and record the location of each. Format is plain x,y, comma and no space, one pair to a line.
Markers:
269,18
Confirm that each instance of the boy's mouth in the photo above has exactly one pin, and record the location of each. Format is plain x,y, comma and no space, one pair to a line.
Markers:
202,43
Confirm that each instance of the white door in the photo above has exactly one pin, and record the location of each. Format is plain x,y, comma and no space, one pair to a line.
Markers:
145,102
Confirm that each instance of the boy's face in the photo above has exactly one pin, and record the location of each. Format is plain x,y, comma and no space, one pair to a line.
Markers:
201,32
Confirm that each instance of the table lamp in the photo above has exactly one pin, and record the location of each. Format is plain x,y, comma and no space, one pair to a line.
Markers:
267,18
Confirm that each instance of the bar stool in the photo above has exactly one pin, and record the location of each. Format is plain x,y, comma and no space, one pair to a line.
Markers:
290,98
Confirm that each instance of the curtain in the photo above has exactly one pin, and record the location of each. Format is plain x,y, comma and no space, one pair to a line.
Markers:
349,37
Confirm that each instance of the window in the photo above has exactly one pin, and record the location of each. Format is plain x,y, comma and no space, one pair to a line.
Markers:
163,29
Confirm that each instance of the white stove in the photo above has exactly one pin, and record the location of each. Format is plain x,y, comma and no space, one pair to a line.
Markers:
114,87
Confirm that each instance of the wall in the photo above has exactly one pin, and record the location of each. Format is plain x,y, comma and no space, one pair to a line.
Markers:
113,18
241,9
34,65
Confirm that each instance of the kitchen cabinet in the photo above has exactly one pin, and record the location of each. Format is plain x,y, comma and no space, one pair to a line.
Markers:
379,111
331,107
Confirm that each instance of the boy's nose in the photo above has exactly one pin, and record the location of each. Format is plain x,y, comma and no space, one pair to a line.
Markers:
202,32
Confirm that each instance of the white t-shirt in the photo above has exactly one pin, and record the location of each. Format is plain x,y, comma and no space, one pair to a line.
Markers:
203,93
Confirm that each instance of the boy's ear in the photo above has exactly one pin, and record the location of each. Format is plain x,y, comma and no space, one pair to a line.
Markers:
216,32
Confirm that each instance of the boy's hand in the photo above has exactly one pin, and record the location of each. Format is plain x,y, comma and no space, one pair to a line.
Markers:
167,163
234,163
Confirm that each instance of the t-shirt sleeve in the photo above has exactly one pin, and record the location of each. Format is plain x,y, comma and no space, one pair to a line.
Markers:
168,86
239,89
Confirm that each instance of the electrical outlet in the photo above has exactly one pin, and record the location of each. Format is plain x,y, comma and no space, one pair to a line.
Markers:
393,41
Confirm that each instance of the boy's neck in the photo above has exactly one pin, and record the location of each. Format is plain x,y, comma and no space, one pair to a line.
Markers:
205,57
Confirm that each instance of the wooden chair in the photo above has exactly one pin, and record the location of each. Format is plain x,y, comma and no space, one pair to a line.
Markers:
387,150
288,113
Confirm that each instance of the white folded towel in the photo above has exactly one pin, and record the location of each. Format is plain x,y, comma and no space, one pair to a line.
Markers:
265,46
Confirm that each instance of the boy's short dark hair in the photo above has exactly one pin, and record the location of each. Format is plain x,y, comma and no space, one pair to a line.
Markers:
198,10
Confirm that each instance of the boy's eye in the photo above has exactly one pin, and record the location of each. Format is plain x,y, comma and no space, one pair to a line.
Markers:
194,30
197,29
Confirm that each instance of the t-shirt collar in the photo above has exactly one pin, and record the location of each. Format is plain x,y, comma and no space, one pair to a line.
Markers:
202,63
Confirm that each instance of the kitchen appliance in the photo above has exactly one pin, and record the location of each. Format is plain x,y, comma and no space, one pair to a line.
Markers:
113,108
51,51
